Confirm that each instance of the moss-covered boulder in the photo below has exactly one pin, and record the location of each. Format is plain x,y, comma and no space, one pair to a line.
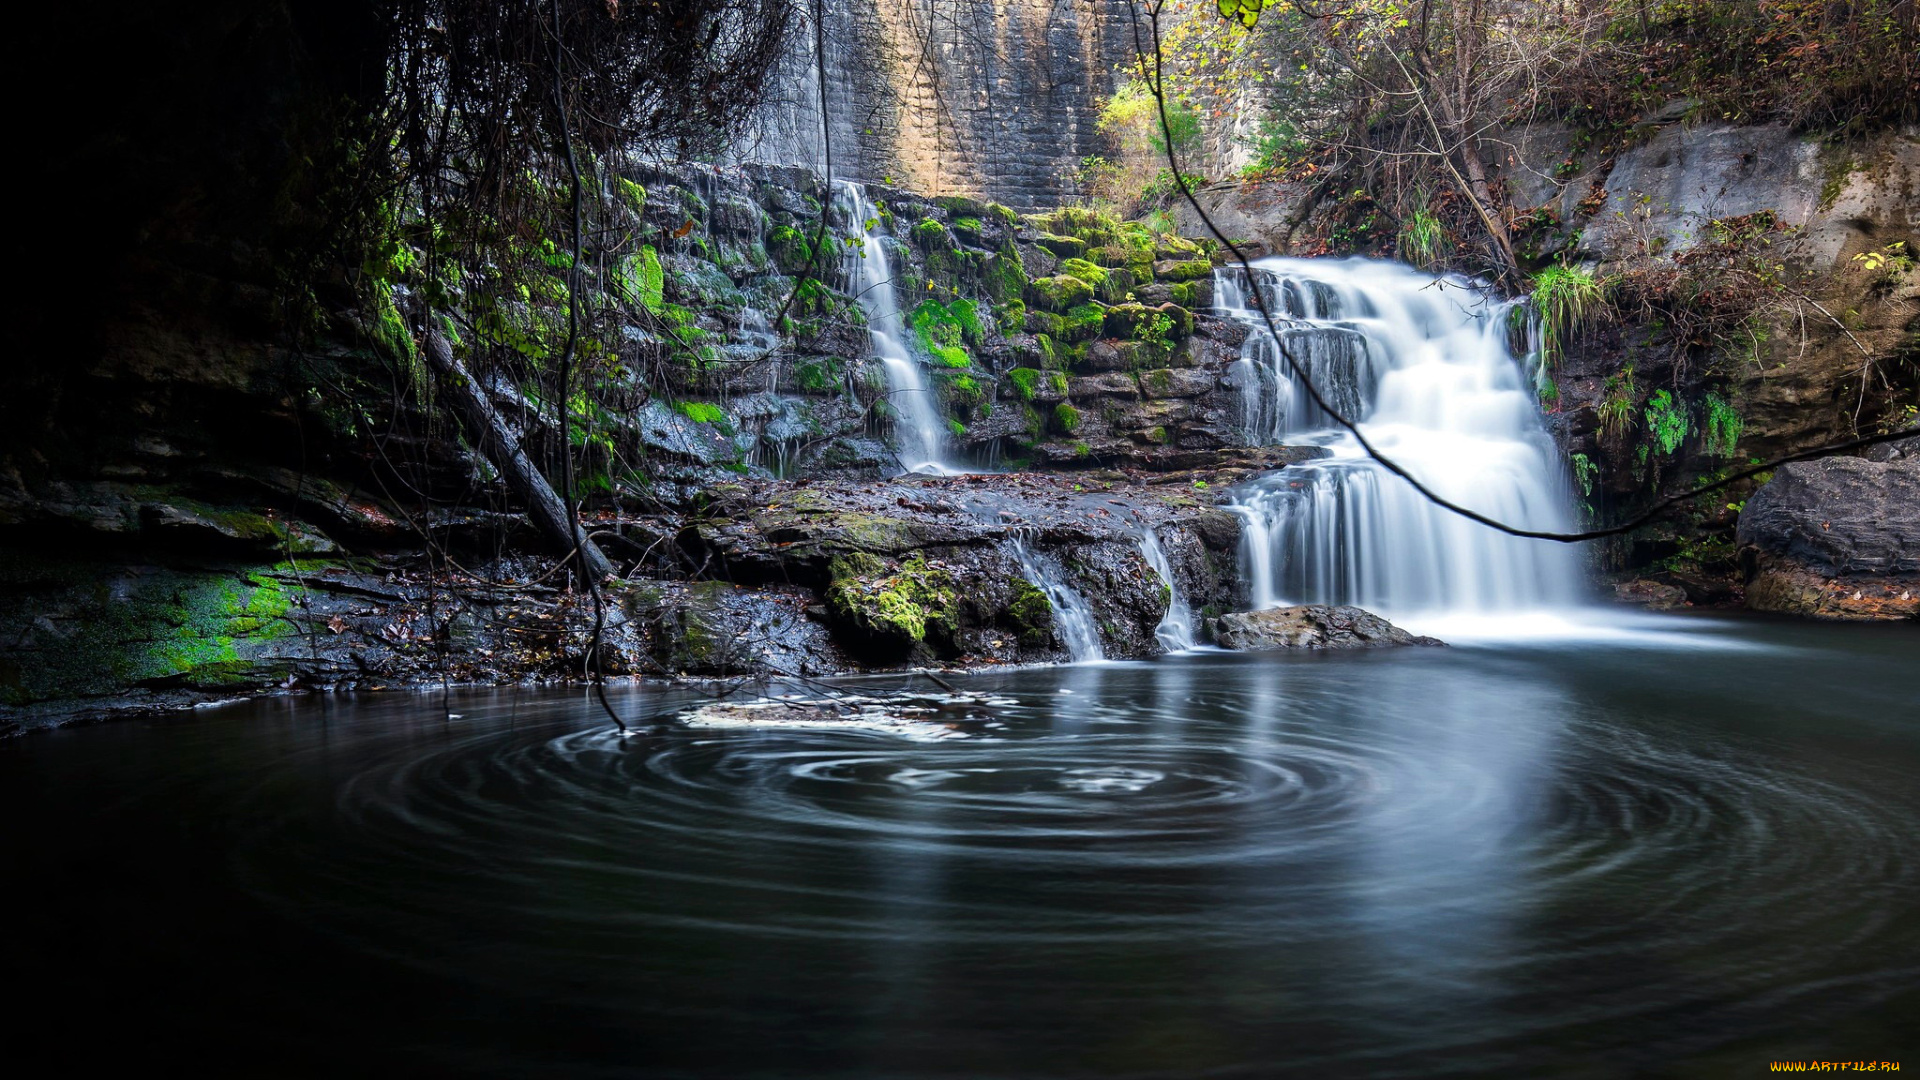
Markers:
1059,293
1094,276
1182,269
891,610
1083,322
1067,247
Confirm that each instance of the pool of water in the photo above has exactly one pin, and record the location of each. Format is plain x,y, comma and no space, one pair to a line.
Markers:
1685,848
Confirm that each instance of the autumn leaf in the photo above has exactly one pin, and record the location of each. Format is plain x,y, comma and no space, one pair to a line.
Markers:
683,230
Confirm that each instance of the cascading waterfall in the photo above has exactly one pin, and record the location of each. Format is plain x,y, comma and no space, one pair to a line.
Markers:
1423,365
920,430
1175,632
1072,616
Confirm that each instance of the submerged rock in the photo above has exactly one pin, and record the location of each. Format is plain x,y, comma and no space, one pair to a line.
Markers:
1312,626
1836,538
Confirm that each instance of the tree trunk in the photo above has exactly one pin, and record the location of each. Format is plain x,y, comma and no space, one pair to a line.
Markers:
484,424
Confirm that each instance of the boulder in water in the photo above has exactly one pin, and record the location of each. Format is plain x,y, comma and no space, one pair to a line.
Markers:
1311,626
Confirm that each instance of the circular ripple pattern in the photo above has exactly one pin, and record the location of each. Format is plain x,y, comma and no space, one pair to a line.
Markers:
1453,863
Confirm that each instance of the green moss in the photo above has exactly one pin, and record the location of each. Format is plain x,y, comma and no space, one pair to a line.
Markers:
631,194
1010,317
1059,293
1066,418
942,328
1004,214
790,248
1083,322
1058,381
1724,426
929,235
965,205
701,412
1030,612
1067,247
1026,382
1185,293
1185,270
900,605
640,280
1006,274
1044,324
1094,276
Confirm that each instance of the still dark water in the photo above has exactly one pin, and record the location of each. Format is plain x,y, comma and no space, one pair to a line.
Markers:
1676,852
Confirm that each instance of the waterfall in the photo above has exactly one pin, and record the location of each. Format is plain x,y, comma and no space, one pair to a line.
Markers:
1072,616
919,428
1175,631
1424,366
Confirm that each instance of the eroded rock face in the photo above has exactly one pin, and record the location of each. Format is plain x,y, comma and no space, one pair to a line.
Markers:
1836,538
1311,626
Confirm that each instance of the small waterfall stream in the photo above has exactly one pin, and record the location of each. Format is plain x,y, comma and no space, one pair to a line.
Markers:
1072,616
1423,365
921,431
1175,631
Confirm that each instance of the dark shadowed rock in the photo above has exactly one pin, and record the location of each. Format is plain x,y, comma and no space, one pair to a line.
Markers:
1837,538
1311,626
1654,595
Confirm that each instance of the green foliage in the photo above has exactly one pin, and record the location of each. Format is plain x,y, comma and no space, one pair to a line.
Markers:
1566,298
1615,410
1423,240
816,377
1585,472
1666,421
1133,113
1723,425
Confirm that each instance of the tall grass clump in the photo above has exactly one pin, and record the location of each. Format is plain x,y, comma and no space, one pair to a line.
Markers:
1423,240
1567,298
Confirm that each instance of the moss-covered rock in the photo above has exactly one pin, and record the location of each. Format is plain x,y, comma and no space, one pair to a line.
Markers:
1066,418
790,248
1029,613
1006,274
1082,323
1182,269
1059,293
1043,324
1094,276
892,610
961,205
1067,247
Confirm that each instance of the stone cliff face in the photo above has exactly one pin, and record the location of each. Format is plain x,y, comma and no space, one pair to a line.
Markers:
990,98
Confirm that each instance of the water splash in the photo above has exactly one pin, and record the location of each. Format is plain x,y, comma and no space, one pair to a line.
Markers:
1424,366
920,429
1175,631
1072,615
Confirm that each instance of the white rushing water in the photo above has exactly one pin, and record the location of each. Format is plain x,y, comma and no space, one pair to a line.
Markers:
1423,365
1175,631
1072,615
920,430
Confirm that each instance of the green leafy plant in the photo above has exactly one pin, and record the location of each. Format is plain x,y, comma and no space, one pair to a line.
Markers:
1667,423
1723,425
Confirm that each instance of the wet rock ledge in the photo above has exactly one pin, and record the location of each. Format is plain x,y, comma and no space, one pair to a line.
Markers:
155,605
